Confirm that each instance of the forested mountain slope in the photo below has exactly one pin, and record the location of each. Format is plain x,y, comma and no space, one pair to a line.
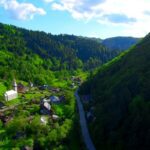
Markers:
33,55
74,51
120,43
121,99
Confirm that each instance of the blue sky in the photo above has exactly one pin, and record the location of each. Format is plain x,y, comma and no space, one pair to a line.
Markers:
92,18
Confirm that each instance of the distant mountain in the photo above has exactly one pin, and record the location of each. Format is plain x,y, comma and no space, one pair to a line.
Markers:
120,93
120,43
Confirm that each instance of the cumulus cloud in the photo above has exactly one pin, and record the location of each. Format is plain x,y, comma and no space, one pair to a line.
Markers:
21,11
132,15
79,9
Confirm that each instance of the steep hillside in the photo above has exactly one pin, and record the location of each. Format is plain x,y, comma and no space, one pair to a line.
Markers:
120,43
38,56
121,99
74,51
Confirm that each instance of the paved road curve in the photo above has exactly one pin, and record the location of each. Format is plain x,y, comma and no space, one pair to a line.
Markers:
85,133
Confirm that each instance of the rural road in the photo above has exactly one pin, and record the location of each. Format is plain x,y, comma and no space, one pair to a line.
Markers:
85,133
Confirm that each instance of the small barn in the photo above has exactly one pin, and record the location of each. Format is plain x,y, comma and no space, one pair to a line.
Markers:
10,95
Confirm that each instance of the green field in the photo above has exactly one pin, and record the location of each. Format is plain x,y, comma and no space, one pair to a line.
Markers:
2,89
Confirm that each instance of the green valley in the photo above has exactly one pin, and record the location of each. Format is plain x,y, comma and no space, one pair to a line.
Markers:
74,75
39,76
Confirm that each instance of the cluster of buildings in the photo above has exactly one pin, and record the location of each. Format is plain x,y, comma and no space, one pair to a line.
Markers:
46,104
17,88
46,109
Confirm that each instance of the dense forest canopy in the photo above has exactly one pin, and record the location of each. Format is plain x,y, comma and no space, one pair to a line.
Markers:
120,96
39,56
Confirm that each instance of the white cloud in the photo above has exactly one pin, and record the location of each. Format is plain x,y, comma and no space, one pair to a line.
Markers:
21,11
57,6
135,14
79,9
48,1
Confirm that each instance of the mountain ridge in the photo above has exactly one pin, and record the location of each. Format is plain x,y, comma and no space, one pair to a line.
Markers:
120,94
120,43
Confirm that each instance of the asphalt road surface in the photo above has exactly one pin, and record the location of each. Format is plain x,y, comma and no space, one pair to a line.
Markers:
85,133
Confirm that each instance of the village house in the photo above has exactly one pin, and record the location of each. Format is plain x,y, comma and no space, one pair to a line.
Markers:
55,99
55,90
17,88
55,117
21,88
43,120
10,95
46,100
45,107
43,87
